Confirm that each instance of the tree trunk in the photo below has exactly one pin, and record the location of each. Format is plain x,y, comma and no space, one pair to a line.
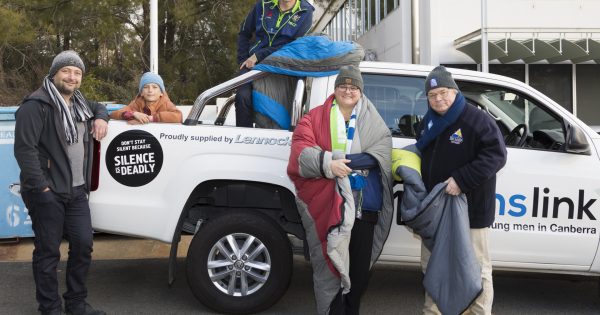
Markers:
146,36
169,44
2,75
67,40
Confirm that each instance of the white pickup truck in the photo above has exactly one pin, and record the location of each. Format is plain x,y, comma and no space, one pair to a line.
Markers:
228,185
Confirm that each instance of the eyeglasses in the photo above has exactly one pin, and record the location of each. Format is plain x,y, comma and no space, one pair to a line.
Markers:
443,93
351,88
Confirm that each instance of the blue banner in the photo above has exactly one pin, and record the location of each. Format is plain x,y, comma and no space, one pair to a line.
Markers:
14,218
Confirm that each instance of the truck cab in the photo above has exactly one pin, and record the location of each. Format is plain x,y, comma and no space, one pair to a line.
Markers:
228,187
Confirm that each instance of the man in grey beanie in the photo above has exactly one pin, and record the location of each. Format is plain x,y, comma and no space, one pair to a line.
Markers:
54,135
463,147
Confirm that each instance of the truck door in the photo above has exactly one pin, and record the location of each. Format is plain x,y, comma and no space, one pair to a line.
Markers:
547,198
401,104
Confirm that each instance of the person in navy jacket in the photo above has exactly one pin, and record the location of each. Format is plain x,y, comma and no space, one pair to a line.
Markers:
462,146
269,25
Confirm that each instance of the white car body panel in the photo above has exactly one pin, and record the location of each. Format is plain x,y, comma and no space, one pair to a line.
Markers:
153,210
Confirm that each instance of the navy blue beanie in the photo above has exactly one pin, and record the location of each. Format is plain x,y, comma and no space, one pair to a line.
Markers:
150,77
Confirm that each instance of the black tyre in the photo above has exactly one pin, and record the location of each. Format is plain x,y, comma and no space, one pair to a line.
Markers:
239,263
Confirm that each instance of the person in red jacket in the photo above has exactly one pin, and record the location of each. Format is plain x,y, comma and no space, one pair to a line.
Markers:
152,104
340,164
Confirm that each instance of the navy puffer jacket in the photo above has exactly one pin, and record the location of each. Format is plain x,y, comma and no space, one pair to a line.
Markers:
271,28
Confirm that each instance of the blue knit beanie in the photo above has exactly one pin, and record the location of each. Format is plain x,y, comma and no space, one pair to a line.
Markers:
150,77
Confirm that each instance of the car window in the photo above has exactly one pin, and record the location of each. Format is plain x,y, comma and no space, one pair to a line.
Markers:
399,99
523,121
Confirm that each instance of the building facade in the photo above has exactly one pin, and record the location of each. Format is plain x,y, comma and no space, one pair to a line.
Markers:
552,45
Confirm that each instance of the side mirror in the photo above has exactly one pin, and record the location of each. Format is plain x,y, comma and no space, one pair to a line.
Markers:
576,141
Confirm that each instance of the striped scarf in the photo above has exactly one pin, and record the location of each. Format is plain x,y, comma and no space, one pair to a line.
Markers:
82,111
342,137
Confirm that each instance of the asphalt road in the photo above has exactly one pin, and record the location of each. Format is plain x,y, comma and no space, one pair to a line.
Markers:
140,287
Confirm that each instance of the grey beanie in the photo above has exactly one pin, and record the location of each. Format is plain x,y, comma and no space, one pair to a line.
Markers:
66,58
439,77
349,75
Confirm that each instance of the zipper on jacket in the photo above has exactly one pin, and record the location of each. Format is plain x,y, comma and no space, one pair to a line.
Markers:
432,161
255,45
284,24
342,211
280,17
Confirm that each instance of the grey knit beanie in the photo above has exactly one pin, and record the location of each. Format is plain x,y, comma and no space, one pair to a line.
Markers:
349,75
439,77
66,58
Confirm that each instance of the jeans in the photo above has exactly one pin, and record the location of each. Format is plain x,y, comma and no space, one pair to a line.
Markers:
244,108
361,246
54,217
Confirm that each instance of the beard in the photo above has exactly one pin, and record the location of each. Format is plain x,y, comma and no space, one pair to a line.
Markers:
65,89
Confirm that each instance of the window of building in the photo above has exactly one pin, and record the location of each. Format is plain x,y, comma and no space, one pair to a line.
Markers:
588,84
357,17
516,72
466,66
555,81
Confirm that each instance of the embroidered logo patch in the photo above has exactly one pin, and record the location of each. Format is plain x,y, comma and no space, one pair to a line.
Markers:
433,83
348,81
295,18
456,137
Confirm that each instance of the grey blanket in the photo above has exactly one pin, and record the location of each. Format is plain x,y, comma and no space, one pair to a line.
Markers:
453,275
319,198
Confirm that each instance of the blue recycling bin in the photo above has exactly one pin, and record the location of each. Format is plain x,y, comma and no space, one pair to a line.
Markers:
14,219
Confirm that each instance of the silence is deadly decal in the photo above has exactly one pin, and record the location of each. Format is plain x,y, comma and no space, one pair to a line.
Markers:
134,158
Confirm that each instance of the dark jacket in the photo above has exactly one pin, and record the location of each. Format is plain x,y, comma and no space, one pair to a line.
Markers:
373,190
41,147
272,29
472,157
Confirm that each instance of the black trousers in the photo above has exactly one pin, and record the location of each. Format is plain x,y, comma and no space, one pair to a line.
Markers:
244,108
361,245
54,217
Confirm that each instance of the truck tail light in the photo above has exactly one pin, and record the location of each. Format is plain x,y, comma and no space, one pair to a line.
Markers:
95,166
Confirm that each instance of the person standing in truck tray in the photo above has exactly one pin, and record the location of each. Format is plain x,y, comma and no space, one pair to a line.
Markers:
54,133
152,104
269,25
340,164
462,146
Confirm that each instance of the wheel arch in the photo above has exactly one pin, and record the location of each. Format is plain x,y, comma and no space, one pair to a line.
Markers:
213,198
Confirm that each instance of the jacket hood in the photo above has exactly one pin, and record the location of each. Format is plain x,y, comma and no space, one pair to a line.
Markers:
301,4
40,95
305,5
